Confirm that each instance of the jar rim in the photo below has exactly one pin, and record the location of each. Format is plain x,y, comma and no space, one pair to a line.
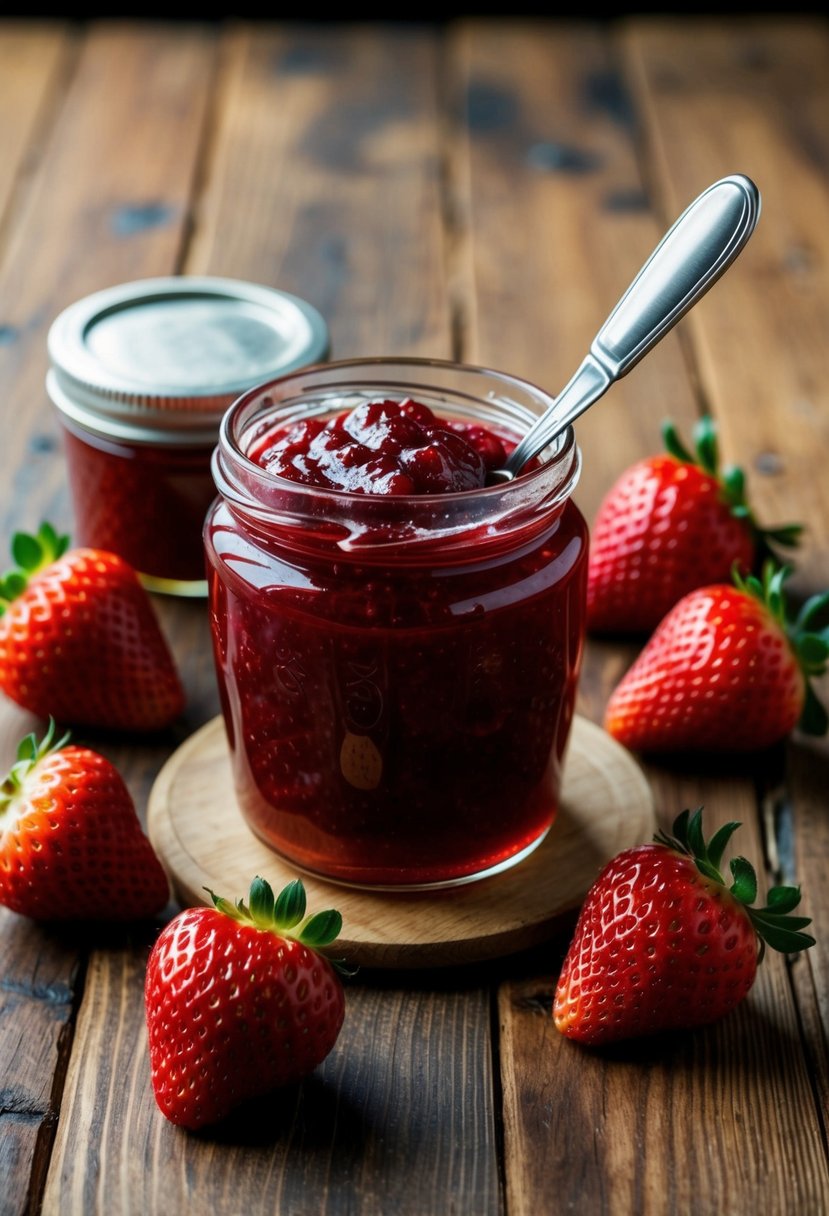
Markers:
266,497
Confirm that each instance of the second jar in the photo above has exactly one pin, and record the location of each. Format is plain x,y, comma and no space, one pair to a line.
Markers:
141,374
397,671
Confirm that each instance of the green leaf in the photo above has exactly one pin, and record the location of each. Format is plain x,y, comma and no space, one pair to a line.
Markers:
13,584
27,748
27,551
224,905
734,483
744,887
704,866
674,445
717,843
705,437
290,905
696,838
812,651
787,535
321,929
813,609
786,941
782,899
261,903
54,546
778,921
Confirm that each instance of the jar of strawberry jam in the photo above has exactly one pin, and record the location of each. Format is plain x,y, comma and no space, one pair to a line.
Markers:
397,643
140,376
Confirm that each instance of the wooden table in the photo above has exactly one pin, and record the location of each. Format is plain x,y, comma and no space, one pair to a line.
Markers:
482,190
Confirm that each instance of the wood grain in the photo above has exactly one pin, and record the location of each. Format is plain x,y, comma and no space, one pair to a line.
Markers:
325,179
487,190
33,57
387,1123
718,1101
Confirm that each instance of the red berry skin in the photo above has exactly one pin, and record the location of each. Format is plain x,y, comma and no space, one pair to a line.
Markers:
82,644
657,947
233,1012
72,846
662,530
718,674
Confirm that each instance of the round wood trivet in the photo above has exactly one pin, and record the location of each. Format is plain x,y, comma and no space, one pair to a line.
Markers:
197,829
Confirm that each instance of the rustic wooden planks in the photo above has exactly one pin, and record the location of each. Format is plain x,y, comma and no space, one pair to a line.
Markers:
323,177
486,191
388,1123
32,60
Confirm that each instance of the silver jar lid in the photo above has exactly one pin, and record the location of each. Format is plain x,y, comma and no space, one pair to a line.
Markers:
160,360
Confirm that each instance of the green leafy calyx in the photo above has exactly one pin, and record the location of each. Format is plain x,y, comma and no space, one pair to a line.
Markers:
731,480
30,752
31,554
284,915
808,634
774,924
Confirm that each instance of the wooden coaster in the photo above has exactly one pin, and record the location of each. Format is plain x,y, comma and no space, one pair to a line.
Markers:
197,829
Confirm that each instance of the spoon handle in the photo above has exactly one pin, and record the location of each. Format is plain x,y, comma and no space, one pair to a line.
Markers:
688,260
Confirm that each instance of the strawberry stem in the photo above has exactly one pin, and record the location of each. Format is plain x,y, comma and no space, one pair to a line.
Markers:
283,915
732,486
31,553
29,752
773,923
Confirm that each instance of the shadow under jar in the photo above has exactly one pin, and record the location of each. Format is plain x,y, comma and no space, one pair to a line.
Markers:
397,672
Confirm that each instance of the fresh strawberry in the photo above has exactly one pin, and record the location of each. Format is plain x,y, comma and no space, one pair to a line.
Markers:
71,844
662,944
669,524
725,671
239,1002
79,640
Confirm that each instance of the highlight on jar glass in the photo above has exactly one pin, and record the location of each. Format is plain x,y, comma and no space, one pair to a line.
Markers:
397,642
140,376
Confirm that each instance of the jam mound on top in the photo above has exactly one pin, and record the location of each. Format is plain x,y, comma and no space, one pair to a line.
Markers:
384,447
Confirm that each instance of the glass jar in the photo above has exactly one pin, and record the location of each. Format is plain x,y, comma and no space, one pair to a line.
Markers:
140,376
397,674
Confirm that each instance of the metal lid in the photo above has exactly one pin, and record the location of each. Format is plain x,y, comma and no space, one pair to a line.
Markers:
163,358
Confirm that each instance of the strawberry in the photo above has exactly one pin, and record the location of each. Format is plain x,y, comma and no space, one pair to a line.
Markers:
71,844
725,671
79,640
669,524
662,944
239,1002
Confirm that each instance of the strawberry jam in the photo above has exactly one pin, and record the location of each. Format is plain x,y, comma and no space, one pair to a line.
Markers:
383,447
174,487
397,643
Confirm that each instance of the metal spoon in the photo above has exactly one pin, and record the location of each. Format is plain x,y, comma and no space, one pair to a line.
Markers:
691,256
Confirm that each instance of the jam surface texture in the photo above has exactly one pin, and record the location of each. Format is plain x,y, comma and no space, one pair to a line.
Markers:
384,447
